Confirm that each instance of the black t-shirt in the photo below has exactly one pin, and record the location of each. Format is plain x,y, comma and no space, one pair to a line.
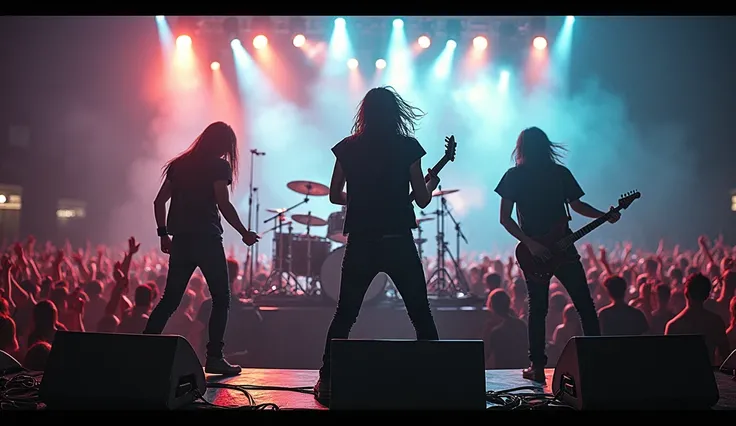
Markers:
377,174
193,208
540,194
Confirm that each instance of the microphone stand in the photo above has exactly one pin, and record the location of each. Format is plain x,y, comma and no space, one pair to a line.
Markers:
251,190
458,235
255,224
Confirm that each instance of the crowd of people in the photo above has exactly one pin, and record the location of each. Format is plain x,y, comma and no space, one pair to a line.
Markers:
44,288
671,291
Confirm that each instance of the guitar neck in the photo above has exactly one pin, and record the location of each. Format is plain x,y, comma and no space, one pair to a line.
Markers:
585,230
440,165
435,170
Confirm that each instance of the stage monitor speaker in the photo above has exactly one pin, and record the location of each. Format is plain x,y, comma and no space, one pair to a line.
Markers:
407,375
121,371
635,372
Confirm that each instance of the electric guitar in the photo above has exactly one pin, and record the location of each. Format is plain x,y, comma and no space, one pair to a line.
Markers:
450,151
559,240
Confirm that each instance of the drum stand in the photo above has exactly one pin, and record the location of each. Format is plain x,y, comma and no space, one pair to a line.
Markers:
310,284
440,281
420,250
459,274
286,280
290,285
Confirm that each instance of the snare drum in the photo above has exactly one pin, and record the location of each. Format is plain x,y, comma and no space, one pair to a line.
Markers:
331,274
335,223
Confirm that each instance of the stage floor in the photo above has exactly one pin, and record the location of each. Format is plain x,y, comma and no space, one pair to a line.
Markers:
496,380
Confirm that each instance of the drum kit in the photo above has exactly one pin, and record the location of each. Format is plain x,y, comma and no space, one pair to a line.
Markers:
305,264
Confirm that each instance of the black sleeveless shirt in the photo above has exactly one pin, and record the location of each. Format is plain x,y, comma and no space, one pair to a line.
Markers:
377,174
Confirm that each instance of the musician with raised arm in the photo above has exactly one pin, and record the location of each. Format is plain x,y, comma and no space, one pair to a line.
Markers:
197,182
543,191
378,162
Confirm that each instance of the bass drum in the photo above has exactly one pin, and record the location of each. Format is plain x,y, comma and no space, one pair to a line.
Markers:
331,275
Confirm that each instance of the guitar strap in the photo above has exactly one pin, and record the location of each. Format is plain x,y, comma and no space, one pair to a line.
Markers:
567,210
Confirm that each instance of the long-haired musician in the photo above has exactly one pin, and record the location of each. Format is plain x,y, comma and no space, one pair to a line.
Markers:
196,182
378,162
542,188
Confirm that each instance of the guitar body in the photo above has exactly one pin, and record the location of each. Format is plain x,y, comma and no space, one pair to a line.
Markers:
543,270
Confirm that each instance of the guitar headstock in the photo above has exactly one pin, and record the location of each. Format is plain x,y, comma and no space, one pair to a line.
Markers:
626,199
450,147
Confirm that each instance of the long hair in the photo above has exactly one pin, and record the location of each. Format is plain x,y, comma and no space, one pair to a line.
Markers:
384,111
534,147
217,140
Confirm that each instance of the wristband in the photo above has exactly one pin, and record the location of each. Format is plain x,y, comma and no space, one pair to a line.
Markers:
162,232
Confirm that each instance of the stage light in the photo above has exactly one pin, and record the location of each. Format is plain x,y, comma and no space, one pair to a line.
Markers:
424,42
340,22
480,43
183,42
398,23
380,64
236,43
215,66
299,40
3,199
539,43
352,63
160,18
569,19
260,41
451,44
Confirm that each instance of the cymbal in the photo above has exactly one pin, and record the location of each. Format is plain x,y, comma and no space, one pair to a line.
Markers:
420,240
424,219
306,187
444,192
276,211
306,219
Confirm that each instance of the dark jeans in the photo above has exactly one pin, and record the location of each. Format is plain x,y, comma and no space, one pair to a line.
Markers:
572,276
365,257
187,253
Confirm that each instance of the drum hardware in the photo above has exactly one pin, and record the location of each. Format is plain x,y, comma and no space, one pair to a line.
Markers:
252,250
255,247
440,281
308,189
275,210
459,234
279,225
301,264
419,241
335,225
277,259
277,268
309,221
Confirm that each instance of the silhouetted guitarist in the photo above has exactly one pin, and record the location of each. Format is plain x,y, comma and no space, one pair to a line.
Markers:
379,162
543,190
